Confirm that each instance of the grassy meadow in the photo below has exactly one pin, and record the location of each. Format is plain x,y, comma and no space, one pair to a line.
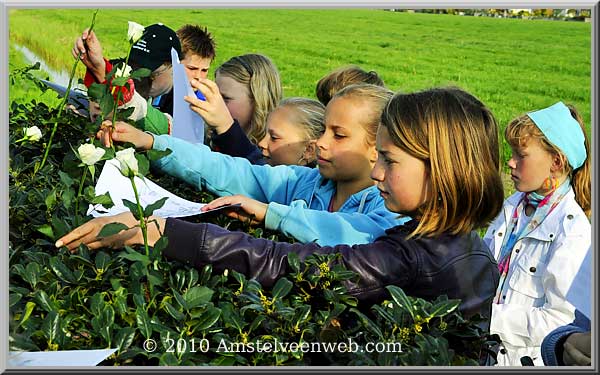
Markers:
512,65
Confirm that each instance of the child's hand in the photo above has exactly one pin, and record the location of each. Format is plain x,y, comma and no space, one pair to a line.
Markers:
213,110
91,54
87,233
250,210
123,132
577,349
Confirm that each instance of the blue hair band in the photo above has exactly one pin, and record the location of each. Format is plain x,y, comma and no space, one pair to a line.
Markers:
563,131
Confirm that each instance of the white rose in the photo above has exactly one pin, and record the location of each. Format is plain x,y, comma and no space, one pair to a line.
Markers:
33,134
90,154
123,71
135,32
129,164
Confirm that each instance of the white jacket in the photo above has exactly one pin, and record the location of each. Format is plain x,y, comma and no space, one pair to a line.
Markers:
542,268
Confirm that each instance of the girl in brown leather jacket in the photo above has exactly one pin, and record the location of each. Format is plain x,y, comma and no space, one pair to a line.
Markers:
438,162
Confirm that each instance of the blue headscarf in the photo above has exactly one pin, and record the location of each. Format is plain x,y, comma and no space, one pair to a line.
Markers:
563,131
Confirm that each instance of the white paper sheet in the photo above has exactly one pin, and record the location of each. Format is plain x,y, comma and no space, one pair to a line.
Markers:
111,180
187,124
59,358
579,295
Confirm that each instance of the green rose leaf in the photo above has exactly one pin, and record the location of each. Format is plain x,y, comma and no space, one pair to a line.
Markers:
120,81
149,210
104,199
97,91
140,73
154,155
143,164
111,229
66,180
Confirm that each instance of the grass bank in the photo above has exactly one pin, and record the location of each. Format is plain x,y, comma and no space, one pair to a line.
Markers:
512,65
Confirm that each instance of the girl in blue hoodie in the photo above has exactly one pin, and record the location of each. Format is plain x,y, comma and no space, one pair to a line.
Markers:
336,203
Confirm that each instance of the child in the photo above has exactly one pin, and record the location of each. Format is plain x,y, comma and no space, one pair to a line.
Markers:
436,163
198,49
342,77
542,235
336,203
292,132
245,90
152,96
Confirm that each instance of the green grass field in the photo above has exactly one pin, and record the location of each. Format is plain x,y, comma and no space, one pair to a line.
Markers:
512,65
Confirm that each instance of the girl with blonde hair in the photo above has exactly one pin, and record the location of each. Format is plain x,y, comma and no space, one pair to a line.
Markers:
541,237
292,132
246,89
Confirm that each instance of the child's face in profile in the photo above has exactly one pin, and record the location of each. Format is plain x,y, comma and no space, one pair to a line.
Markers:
285,142
237,99
530,165
342,151
402,179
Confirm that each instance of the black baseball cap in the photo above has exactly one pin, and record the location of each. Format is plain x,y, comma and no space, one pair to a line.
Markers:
154,47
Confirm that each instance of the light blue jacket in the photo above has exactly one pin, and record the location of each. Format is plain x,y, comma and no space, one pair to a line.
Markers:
297,196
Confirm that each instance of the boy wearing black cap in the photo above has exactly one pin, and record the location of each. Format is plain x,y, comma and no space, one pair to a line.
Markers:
152,51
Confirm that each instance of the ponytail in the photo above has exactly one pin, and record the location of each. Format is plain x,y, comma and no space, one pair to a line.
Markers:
581,177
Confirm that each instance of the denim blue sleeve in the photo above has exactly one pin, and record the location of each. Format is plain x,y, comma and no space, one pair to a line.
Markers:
329,228
552,345
225,175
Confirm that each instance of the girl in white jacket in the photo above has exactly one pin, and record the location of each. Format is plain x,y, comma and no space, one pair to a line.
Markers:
543,232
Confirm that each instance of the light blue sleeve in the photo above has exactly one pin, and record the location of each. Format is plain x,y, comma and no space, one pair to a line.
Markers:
225,175
330,228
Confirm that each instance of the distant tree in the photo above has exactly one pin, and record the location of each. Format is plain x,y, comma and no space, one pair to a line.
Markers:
548,13
524,13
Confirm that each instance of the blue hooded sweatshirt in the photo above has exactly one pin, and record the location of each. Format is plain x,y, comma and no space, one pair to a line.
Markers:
297,196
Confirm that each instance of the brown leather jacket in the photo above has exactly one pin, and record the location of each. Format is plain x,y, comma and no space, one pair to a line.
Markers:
459,266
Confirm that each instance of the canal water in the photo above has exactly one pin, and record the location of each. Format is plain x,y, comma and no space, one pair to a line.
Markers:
60,77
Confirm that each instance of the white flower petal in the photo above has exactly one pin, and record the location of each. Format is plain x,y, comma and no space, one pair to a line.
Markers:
134,31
